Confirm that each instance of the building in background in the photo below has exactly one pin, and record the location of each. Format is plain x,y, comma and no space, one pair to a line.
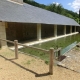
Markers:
22,21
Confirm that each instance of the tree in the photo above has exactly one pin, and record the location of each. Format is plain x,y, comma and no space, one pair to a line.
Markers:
55,8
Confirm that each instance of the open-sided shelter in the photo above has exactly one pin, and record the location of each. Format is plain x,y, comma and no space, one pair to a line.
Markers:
22,21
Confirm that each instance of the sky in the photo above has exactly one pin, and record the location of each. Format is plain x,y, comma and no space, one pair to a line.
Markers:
73,5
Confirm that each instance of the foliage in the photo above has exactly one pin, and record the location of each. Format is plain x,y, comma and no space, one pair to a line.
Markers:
55,8
32,2
47,62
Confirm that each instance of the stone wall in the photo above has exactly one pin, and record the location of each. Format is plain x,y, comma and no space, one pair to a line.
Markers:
60,30
28,31
21,31
67,29
77,29
73,28
3,33
47,30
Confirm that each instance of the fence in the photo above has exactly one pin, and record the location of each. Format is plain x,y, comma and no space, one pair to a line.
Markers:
51,52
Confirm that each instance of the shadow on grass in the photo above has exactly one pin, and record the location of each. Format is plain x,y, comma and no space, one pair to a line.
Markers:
36,74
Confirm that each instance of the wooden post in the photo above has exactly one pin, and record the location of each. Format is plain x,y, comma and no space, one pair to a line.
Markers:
16,48
51,61
0,43
59,54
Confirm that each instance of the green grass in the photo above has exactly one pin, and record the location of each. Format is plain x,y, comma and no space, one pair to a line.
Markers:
37,53
28,62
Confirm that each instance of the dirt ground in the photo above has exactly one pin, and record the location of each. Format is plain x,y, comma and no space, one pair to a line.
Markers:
29,68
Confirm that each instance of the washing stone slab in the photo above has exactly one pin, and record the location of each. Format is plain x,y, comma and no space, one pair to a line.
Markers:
72,60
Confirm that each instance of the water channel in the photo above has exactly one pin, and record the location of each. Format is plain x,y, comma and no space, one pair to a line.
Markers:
61,42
